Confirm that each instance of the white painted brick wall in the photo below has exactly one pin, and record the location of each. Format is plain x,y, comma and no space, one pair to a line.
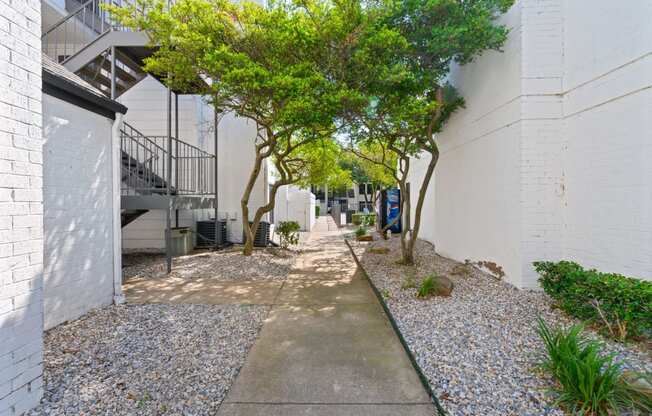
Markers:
577,106
608,129
78,217
472,211
541,135
21,228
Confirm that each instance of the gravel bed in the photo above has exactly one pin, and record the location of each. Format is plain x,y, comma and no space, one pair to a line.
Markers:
478,348
227,265
147,359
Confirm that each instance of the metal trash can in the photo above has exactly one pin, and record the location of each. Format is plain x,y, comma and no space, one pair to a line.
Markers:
181,243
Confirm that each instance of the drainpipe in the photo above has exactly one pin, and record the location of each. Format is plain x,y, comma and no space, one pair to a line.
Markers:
168,191
118,297
176,152
217,112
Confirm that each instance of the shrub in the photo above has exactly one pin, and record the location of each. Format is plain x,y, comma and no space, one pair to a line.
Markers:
623,305
360,231
288,232
428,287
363,219
317,209
589,381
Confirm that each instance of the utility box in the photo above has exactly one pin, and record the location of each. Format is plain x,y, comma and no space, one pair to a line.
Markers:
181,243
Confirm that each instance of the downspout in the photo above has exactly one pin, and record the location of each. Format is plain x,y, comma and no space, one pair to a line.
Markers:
118,296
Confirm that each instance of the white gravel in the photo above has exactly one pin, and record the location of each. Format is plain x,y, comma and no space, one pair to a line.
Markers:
227,265
478,348
147,359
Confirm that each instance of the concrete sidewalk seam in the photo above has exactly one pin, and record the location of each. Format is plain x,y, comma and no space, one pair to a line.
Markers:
394,325
332,403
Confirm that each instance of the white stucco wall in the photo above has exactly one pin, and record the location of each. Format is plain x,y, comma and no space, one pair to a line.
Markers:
235,160
550,157
295,204
78,211
21,225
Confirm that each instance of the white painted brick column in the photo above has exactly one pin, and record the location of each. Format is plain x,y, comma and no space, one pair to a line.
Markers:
21,221
541,142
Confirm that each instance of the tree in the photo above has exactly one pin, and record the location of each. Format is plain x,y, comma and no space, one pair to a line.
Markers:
399,68
262,63
323,165
379,175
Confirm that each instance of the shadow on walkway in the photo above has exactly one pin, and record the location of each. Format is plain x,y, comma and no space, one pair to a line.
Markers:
327,347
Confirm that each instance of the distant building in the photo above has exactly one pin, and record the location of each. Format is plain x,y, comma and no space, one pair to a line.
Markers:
356,198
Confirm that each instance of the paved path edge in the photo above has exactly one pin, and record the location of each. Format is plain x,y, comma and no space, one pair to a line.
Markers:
388,312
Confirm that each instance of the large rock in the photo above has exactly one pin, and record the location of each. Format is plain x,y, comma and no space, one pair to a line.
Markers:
444,286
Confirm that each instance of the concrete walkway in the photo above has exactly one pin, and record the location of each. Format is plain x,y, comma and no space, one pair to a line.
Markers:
327,348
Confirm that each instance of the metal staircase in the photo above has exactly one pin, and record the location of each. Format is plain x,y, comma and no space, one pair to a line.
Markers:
146,167
157,172
89,43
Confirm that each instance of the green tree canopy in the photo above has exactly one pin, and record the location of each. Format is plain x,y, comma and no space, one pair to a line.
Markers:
398,69
272,64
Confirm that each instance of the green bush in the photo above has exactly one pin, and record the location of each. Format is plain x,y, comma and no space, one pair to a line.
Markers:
363,219
622,305
360,231
589,382
288,232
317,208
428,287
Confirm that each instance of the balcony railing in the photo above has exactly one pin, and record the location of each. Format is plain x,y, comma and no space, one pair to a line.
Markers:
145,166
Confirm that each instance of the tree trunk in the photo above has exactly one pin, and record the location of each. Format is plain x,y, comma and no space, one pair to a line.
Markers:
258,216
244,206
423,189
374,198
407,257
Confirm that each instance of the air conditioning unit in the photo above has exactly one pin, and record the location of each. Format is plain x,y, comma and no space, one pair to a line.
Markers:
206,233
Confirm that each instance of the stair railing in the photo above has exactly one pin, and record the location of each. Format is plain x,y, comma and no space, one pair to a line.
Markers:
82,26
192,167
79,28
145,165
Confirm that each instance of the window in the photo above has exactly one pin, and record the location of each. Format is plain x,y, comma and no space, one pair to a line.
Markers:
368,205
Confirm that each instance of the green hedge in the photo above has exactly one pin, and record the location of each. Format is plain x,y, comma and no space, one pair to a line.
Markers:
366,219
621,298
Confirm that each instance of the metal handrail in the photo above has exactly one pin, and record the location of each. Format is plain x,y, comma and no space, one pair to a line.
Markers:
79,28
65,19
145,165
163,139
132,131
